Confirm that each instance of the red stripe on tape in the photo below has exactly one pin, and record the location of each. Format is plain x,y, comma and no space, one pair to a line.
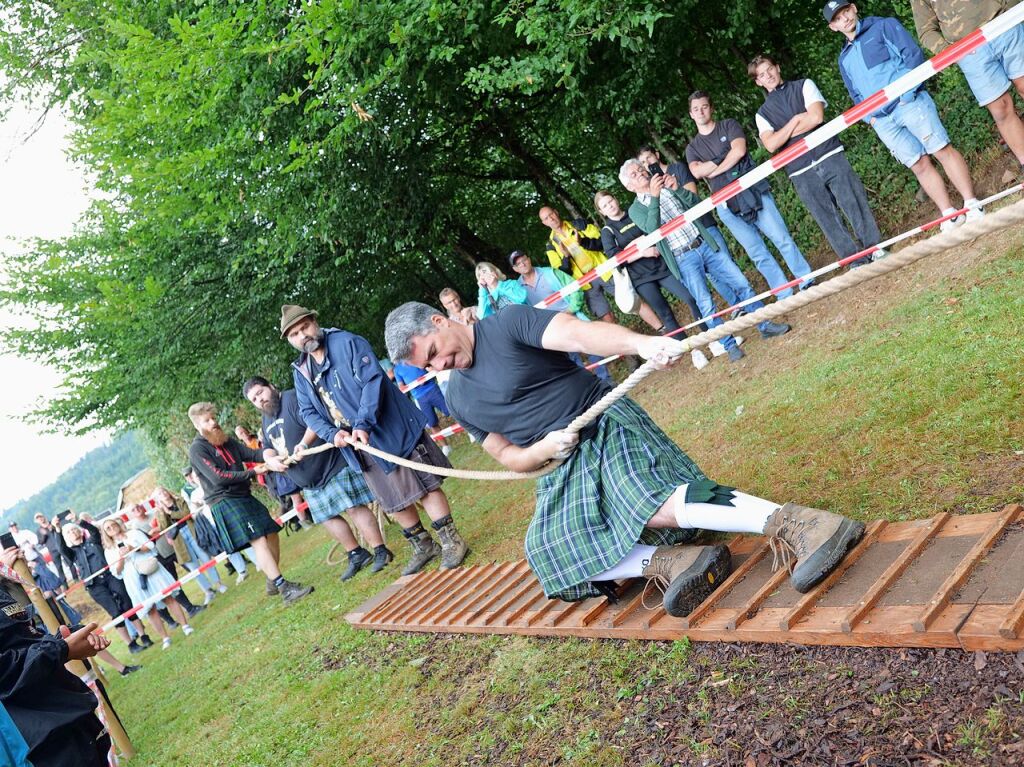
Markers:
789,154
871,104
726,192
955,52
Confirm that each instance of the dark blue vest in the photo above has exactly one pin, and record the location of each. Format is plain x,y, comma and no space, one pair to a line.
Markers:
778,109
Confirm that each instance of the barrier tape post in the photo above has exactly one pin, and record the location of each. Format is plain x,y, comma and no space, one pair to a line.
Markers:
77,667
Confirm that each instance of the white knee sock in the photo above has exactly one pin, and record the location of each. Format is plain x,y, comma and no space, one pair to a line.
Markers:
748,514
630,566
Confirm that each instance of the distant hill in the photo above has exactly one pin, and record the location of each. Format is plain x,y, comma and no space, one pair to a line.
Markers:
89,486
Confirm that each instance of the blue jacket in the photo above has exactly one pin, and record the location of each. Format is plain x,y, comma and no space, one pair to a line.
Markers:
366,398
507,292
881,52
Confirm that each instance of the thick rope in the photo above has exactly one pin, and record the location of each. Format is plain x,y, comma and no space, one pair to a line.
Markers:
990,224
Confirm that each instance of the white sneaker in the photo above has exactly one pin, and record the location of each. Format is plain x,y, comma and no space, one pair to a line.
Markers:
879,254
208,598
700,360
716,348
241,577
187,630
221,588
952,223
166,643
447,450
739,340
975,214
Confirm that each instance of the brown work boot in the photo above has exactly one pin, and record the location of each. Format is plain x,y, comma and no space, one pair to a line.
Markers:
818,540
424,548
453,547
687,575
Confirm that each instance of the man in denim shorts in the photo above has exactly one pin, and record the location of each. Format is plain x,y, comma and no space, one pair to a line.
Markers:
877,52
990,69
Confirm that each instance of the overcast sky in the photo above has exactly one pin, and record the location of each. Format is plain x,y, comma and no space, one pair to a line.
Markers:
41,194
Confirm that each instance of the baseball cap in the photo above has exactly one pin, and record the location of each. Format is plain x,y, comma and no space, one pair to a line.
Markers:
514,255
832,7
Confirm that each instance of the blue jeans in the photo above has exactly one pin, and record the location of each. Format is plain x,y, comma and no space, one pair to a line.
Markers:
199,557
601,371
694,271
722,271
769,223
724,290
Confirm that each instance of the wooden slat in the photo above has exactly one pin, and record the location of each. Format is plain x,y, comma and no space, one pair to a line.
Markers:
496,577
1014,622
757,599
481,574
892,572
442,595
516,579
735,577
572,607
422,583
808,600
523,608
622,615
541,612
519,593
594,612
963,570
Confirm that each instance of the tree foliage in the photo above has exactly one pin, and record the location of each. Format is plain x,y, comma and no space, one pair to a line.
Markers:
346,155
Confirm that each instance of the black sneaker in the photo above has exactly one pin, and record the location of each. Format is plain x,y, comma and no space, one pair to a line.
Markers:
129,670
146,641
771,329
357,559
134,647
194,610
736,354
382,556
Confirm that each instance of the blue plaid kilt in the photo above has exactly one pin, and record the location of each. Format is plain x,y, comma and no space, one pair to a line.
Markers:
594,508
240,521
344,490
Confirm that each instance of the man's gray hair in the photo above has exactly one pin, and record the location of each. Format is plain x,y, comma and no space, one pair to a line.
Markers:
623,178
405,323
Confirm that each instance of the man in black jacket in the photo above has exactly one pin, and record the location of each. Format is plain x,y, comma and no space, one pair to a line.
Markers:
241,520
53,710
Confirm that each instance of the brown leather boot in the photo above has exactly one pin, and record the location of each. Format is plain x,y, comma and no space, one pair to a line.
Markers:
687,574
424,548
453,546
817,539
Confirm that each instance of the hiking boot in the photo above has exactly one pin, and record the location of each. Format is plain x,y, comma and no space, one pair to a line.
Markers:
424,548
271,588
293,592
382,556
357,559
771,329
817,539
453,547
687,575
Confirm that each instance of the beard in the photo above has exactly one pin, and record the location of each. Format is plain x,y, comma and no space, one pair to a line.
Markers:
215,436
273,406
314,343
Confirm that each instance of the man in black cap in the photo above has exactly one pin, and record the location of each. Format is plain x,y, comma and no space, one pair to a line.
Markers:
345,396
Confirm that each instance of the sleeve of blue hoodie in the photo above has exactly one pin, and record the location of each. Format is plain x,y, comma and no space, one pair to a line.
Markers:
324,429
368,373
900,40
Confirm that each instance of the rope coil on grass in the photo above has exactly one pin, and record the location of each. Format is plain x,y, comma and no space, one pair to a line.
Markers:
990,224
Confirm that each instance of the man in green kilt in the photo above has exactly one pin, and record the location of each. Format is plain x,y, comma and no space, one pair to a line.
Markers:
625,497
240,519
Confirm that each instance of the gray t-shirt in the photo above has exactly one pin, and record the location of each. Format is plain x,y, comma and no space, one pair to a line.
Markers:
714,147
515,387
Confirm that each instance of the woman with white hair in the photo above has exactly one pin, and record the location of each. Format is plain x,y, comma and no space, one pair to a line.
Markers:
133,559
84,545
496,291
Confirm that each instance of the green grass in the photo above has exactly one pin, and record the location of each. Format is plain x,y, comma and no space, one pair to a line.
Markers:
915,411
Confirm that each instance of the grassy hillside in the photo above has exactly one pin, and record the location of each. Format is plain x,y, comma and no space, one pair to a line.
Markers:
895,400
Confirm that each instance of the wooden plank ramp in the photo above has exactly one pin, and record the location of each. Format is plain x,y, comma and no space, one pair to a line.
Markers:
948,581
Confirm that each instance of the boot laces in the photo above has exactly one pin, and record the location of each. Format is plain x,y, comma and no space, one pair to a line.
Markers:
660,567
783,553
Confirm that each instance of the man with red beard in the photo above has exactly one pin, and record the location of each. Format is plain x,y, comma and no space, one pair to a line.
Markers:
241,520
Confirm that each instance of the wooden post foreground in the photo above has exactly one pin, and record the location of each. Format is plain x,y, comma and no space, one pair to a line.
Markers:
76,667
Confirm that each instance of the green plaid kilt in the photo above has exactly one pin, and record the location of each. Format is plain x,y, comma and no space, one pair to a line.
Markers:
240,521
344,490
594,508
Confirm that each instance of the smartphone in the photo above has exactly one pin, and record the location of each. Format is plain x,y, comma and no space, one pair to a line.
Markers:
655,169
7,541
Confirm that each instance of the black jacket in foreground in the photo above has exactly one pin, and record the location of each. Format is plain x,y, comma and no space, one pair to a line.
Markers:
221,469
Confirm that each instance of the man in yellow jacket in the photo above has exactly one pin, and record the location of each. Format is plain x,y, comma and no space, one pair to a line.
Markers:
575,248
990,69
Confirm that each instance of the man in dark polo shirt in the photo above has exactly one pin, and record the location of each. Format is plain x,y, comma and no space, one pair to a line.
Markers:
329,486
718,154
823,177
624,492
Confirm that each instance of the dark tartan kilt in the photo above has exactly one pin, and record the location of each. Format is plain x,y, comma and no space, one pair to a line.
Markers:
240,521
594,508
344,490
